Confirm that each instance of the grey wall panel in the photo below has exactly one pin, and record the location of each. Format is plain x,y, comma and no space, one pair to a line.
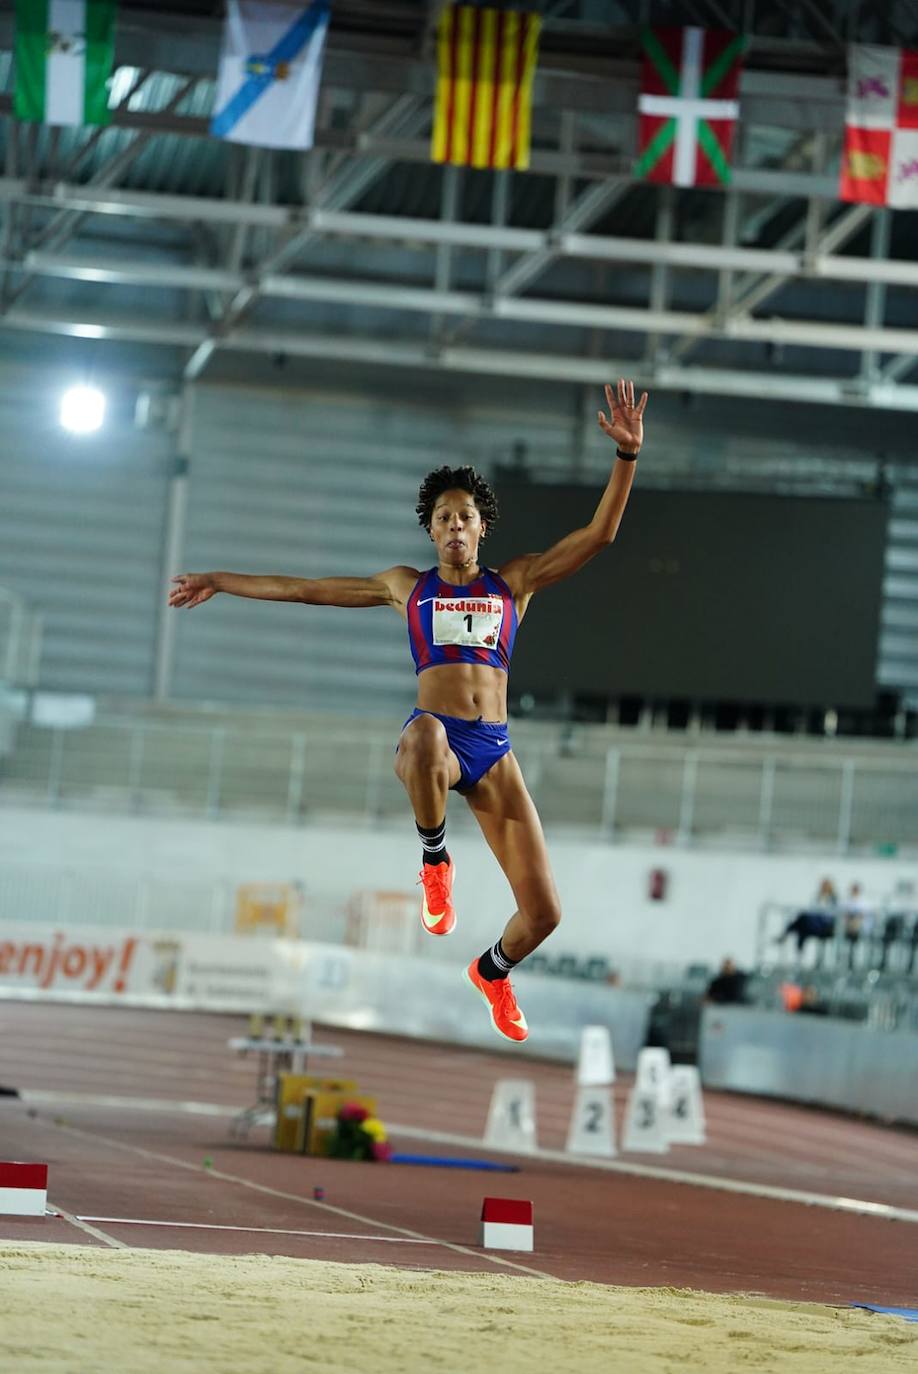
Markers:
81,526
811,1059
317,484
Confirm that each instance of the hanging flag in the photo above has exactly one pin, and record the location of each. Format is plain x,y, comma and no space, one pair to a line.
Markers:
65,50
880,156
688,105
486,61
270,69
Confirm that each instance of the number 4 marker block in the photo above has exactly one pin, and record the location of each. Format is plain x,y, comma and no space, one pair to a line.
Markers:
506,1224
23,1189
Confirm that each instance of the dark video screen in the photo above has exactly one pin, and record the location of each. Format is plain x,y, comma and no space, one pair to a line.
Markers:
707,596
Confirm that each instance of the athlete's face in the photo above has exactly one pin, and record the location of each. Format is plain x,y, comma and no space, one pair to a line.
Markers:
456,528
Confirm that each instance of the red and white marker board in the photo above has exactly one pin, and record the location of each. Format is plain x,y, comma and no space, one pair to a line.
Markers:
506,1224
23,1189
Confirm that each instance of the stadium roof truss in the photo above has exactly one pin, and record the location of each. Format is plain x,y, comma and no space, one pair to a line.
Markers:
151,231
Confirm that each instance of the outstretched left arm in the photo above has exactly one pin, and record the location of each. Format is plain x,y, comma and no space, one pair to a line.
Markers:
532,571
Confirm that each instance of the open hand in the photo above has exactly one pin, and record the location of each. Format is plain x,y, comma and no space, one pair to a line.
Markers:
192,589
626,425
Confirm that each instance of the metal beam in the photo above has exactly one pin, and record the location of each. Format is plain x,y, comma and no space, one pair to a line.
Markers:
491,362
343,188
574,314
753,292
65,223
778,263
581,68
875,303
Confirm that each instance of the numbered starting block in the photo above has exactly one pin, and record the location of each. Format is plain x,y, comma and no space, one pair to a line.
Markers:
511,1116
592,1128
23,1189
595,1064
685,1124
506,1224
647,1113
645,1122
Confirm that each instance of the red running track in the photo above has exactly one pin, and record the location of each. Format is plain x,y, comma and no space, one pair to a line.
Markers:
116,1162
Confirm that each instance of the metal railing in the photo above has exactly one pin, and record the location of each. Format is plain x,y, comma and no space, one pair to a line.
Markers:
20,641
685,795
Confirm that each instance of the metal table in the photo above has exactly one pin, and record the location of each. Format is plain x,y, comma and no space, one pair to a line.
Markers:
275,1056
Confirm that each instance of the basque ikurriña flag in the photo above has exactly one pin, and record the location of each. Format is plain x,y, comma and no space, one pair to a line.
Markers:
486,61
880,157
270,68
688,105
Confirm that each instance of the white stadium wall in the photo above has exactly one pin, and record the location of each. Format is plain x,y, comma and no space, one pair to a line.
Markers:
710,908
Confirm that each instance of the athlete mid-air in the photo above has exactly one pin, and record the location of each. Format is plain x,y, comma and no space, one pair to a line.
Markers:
462,622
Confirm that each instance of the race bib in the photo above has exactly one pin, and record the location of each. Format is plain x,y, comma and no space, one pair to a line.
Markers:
473,621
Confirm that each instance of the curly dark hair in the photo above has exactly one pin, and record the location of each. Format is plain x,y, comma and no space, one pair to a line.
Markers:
462,479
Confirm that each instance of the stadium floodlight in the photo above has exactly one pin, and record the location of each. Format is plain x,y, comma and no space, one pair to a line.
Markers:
82,409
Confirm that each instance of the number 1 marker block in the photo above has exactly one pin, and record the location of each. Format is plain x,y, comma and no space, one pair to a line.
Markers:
506,1224
23,1189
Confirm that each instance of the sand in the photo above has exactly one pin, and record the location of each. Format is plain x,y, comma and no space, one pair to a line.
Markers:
77,1309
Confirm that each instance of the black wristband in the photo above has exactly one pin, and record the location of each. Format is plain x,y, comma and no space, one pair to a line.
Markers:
626,457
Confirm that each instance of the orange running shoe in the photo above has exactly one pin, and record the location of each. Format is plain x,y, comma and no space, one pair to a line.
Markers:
437,911
506,1017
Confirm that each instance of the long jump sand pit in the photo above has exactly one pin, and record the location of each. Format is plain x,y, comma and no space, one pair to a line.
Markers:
78,1309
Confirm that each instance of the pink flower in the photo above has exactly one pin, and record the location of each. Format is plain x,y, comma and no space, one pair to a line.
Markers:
382,1150
352,1111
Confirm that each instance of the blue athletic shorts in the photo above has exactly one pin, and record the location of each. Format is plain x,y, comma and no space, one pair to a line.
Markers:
477,744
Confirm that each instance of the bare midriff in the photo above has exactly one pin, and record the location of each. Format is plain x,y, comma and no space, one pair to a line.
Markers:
466,690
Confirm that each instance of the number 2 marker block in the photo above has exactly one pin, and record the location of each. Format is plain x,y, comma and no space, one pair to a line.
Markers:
506,1224
23,1189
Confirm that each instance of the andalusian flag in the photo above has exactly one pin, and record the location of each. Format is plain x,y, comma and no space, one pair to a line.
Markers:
486,60
64,55
688,105
880,157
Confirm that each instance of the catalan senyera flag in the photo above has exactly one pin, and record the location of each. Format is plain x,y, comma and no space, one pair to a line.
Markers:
688,105
486,61
65,50
880,156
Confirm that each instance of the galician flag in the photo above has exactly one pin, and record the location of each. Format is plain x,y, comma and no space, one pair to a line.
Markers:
270,69
688,105
64,55
880,156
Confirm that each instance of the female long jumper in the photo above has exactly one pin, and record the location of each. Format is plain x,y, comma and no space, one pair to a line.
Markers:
462,622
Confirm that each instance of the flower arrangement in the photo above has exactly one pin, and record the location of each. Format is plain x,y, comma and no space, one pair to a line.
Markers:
358,1135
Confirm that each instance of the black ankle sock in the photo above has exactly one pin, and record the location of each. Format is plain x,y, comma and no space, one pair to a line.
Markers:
433,843
494,963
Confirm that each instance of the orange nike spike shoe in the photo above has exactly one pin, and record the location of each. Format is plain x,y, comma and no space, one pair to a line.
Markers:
438,915
506,1017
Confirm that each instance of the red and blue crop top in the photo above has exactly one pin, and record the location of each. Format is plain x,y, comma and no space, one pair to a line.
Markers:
472,624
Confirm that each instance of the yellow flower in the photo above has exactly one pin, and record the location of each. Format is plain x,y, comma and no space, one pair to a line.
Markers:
374,1127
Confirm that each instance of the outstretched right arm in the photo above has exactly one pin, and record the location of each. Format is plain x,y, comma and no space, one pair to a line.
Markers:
389,588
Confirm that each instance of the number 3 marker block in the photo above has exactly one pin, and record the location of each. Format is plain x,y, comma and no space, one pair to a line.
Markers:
645,1122
506,1224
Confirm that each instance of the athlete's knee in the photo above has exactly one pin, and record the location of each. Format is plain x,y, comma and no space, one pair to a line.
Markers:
544,917
423,745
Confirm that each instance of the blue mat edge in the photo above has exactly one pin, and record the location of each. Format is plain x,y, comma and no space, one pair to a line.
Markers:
909,1314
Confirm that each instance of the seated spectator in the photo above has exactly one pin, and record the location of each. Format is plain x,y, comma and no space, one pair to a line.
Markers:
857,918
817,922
729,985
